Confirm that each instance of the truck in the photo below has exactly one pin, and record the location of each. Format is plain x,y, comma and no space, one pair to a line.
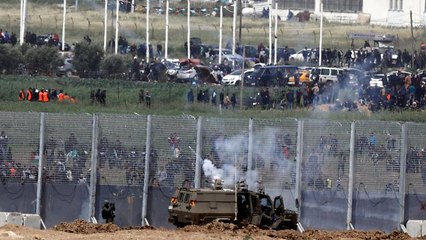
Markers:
241,207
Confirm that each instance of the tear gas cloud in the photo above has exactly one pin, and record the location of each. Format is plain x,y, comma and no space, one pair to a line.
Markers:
232,153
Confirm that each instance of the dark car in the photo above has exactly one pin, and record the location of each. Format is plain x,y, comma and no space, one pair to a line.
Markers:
42,40
67,47
271,75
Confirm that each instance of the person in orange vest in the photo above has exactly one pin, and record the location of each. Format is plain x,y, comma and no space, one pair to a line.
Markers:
40,95
30,94
60,96
66,97
21,96
45,96
72,99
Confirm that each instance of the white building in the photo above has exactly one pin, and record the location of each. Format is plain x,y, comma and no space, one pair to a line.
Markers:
379,12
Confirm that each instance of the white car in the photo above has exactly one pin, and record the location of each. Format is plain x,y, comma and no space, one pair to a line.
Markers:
227,56
298,56
186,74
376,80
325,74
234,78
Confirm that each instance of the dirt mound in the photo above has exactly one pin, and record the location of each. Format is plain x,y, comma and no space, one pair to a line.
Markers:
253,231
211,227
82,227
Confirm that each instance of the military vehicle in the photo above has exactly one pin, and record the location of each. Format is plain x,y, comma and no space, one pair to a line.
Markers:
243,207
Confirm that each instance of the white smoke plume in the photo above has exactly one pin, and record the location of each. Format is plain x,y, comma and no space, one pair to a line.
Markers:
231,152
211,171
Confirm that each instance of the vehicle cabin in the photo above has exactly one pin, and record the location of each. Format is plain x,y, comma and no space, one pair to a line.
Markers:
272,75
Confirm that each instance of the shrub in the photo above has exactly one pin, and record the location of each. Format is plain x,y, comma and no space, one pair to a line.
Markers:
113,65
10,58
87,58
42,60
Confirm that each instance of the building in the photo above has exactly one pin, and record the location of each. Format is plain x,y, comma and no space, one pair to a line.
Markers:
379,12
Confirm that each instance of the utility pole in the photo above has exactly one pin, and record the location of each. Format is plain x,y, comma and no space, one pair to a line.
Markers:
240,11
413,41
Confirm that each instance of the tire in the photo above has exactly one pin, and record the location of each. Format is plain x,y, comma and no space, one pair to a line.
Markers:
68,73
292,60
238,83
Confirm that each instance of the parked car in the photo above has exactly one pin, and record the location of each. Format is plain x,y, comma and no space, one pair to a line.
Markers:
269,75
304,77
67,69
376,80
324,75
186,74
227,56
298,56
234,78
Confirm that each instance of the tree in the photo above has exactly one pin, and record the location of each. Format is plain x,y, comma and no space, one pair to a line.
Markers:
87,58
10,58
113,65
42,60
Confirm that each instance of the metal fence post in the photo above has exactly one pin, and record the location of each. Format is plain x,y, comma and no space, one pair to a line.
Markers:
198,150
351,177
93,167
299,157
146,177
402,173
250,146
40,164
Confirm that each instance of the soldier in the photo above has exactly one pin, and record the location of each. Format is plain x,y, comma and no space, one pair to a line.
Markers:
108,212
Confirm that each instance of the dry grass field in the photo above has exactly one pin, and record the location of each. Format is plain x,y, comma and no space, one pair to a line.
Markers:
89,20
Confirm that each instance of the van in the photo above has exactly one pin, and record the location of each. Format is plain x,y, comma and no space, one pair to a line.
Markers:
325,75
268,75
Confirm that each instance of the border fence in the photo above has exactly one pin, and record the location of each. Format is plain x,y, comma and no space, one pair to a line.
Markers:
344,175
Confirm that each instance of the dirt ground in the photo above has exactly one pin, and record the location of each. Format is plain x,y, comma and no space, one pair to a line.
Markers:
80,229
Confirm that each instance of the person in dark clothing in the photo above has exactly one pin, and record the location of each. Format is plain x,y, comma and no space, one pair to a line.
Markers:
98,95
222,98
108,212
190,96
92,96
102,98
200,96
233,100
141,96
148,99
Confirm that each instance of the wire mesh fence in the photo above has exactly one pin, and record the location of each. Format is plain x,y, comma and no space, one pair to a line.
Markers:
67,144
377,156
415,177
19,140
225,151
262,152
121,149
173,143
274,152
325,161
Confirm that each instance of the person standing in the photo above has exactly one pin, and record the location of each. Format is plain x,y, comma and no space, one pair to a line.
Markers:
222,98
233,100
21,95
315,92
29,94
214,97
190,96
148,99
159,50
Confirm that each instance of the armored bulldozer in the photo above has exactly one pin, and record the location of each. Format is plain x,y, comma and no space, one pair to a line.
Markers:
241,207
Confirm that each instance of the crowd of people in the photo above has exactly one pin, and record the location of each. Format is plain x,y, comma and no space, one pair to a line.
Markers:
8,38
44,95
